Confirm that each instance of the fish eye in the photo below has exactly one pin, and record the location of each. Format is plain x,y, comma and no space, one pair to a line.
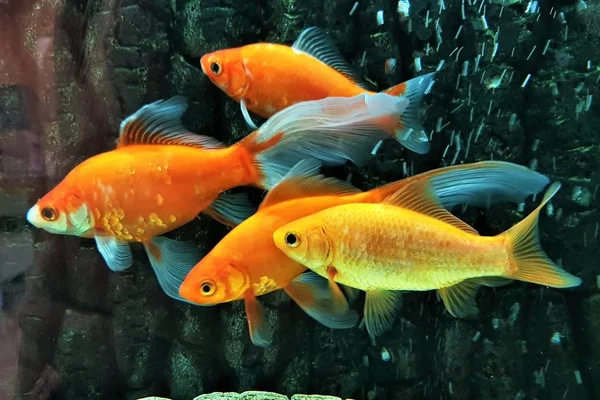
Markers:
292,240
48,213
215,67
207,288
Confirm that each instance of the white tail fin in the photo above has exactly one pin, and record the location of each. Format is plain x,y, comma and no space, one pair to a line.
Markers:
333,130
409,131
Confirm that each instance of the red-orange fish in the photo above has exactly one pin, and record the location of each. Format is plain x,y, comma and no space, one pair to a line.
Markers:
161,176
266,78
246,263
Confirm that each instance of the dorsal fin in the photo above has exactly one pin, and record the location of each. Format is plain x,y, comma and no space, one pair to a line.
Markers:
303,181
420,197
317,43
160,123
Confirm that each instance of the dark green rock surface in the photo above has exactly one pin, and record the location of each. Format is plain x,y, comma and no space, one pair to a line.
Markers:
112,335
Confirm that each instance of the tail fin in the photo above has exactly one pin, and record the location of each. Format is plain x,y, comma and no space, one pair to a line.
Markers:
409,131
332,130
531,264
478,184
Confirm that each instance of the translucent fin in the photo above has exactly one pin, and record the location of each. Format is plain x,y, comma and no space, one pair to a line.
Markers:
350,292
381,307
479,184
420,197
459,299
332,130
317,43
339,299
529,262
260,334
246,115
160,123
409,132
171,261
313,294
116,253
296,186
230,209
304,167
397,90
484,183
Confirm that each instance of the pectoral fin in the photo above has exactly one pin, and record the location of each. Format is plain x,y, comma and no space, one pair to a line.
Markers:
171,261
380,310
340,301
246,115
260,334
313,294
116,253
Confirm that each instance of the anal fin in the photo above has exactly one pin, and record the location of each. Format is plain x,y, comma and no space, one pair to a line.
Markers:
459,299
380,309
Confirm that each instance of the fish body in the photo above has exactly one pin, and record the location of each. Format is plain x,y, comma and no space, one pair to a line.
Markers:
381,246
246,263
135,193
161,176
266,78
409,242
271,77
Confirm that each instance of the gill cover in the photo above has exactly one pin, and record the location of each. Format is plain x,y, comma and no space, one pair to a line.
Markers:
213,281
309,246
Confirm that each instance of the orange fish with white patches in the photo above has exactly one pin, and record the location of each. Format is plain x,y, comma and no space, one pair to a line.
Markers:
266,78
409,242
246,263
161,176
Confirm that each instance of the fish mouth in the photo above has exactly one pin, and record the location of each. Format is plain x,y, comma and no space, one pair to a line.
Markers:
32,216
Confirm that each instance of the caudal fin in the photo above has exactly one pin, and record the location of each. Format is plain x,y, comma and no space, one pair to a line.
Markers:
332,130
530,263
478,184
409,131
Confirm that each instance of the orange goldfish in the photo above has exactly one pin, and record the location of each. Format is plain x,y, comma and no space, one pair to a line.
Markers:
266,78
246,263
161,176
409,242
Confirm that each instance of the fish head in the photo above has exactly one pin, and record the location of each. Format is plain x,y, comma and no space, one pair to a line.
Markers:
214,280
227,70
304,243
61,213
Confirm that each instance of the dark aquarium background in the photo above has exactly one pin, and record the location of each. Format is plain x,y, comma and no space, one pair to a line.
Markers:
71,329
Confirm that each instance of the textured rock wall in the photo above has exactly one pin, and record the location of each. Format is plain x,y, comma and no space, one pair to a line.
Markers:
111,335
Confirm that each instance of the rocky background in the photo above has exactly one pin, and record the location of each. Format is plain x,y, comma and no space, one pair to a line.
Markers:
87,333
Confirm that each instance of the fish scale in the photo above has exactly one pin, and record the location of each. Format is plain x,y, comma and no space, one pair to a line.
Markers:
378,246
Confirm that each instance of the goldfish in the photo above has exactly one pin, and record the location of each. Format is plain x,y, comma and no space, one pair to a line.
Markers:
246,264
267,77
161,176
410,242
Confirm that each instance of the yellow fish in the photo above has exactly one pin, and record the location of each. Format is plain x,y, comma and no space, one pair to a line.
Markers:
410,242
